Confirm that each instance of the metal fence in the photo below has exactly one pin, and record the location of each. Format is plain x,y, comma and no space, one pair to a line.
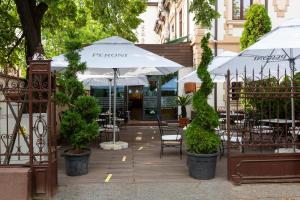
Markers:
27,125
260,131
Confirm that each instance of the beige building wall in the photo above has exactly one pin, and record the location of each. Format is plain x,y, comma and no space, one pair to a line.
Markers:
145,32
229,29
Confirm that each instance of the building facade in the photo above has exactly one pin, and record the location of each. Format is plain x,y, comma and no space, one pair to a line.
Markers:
174,23
145,32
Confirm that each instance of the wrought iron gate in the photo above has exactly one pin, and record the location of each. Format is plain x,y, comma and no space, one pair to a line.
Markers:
28,125
262,144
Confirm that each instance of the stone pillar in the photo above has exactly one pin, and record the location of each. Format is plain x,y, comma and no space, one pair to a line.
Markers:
196,43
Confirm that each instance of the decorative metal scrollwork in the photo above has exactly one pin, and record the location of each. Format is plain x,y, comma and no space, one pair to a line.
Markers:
40,130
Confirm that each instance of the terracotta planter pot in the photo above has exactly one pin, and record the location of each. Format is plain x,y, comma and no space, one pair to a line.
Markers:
183,121
189,87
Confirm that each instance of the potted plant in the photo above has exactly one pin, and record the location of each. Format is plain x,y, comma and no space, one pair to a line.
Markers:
183,101
78,122
201,140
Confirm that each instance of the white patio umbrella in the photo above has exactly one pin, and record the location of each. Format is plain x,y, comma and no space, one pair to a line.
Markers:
280,47
216,62
116,55
106,80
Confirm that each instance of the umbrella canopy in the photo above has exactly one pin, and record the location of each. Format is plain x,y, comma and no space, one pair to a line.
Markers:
115,52
216,62
274,51
105,80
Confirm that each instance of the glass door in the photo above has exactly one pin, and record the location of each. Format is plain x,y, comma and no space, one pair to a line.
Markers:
151,104
135,102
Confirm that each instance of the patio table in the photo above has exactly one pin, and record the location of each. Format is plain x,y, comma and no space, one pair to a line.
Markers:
105,114
281,126
279,121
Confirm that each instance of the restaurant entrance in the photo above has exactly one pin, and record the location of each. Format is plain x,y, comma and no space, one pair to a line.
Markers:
135,102
143,102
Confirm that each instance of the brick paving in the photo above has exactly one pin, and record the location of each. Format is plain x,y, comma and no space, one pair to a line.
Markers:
143,175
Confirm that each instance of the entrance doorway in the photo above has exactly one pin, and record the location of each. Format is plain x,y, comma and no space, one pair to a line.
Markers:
135,102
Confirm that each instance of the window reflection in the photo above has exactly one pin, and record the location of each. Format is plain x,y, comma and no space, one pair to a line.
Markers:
239,8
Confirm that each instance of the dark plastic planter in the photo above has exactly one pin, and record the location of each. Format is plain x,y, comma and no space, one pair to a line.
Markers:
76,164
202,166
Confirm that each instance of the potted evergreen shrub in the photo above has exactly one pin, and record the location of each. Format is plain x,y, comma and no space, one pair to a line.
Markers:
78,122
183,101
201,140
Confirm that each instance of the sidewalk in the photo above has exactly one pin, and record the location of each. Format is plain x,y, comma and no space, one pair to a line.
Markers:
143,175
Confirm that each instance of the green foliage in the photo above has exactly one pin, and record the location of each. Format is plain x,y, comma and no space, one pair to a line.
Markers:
273,101
87,107
209,141
9,36
121,15
77,130
78,123
257,24
183,101
200,134
92,20
204,12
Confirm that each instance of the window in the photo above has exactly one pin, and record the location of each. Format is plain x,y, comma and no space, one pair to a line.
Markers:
180,23
239,8
236,90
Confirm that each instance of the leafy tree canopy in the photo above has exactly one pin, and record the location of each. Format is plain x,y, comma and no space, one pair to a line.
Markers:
257,24
55,19
204,12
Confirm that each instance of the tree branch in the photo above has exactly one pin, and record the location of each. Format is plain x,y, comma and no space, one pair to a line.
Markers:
40,10
16,44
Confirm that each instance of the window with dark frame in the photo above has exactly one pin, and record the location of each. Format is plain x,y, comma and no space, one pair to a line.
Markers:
180,23
239,8
236,90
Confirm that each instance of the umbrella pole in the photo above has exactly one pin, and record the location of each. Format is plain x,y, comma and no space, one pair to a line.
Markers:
109,103
292,67
115,96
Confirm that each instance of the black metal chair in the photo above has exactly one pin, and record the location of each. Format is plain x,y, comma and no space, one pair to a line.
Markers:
170,137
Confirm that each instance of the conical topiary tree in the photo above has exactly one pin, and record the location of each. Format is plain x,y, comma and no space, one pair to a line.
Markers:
200,134
257,24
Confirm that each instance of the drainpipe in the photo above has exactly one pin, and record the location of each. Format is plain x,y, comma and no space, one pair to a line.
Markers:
267,5
188,20
175,25
216,53
216,32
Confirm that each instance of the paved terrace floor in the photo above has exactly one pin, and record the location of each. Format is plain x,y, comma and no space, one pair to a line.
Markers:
139,173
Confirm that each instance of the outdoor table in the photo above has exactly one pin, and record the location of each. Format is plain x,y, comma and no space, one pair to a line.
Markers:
233,117
105,114
282,125
101,130
279,121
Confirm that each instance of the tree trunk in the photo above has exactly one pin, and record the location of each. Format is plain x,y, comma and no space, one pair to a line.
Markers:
31,16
